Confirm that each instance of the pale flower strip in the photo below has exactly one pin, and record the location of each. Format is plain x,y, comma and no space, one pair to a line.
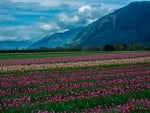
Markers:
73,59
74,64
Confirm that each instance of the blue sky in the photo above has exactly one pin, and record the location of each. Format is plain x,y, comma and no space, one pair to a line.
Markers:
34,19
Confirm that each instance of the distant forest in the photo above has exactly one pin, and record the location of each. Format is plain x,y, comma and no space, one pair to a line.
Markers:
107,47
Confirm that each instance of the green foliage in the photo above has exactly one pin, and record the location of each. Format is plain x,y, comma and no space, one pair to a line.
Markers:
75,48
120,47
95,48
134,47
108,47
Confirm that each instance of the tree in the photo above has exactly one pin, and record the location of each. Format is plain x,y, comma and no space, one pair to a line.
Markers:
75,48
134,47
120,47
95,48
108,47
59,49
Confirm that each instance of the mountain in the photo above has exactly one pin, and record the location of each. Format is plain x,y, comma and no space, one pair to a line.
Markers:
14,44
57,39
129,25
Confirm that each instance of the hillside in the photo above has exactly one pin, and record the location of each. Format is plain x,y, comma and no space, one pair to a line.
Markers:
56,39
130,24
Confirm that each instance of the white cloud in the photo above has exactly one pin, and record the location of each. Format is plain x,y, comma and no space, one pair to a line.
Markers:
20,32
81,16
46,27
54,3
84,8
51,3
47,17
65,18
75,19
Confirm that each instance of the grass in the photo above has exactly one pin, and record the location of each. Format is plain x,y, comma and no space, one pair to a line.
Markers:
6,56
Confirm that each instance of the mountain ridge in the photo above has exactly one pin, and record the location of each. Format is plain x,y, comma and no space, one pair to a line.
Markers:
129,25
56,39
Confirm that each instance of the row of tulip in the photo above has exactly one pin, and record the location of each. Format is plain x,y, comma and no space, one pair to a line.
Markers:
60,98
12,80
133,105
55,80
132,85
56,87
73,64
45,91
70,59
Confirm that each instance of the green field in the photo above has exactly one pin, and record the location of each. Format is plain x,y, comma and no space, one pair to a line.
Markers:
52,54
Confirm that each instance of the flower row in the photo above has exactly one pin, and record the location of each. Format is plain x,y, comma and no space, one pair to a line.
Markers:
69,59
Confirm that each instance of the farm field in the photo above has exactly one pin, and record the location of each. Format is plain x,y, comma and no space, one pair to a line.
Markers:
99,82
6,56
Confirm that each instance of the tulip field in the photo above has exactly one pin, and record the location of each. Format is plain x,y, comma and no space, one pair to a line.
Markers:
99,83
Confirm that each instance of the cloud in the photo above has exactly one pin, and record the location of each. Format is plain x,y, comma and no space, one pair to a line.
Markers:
30,20
48,27
84,8
90,13
52,3
34,19
83,16
66,19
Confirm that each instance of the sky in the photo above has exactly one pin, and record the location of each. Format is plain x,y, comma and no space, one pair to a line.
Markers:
35,19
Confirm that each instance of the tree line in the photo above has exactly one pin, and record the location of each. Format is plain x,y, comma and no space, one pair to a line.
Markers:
107,47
